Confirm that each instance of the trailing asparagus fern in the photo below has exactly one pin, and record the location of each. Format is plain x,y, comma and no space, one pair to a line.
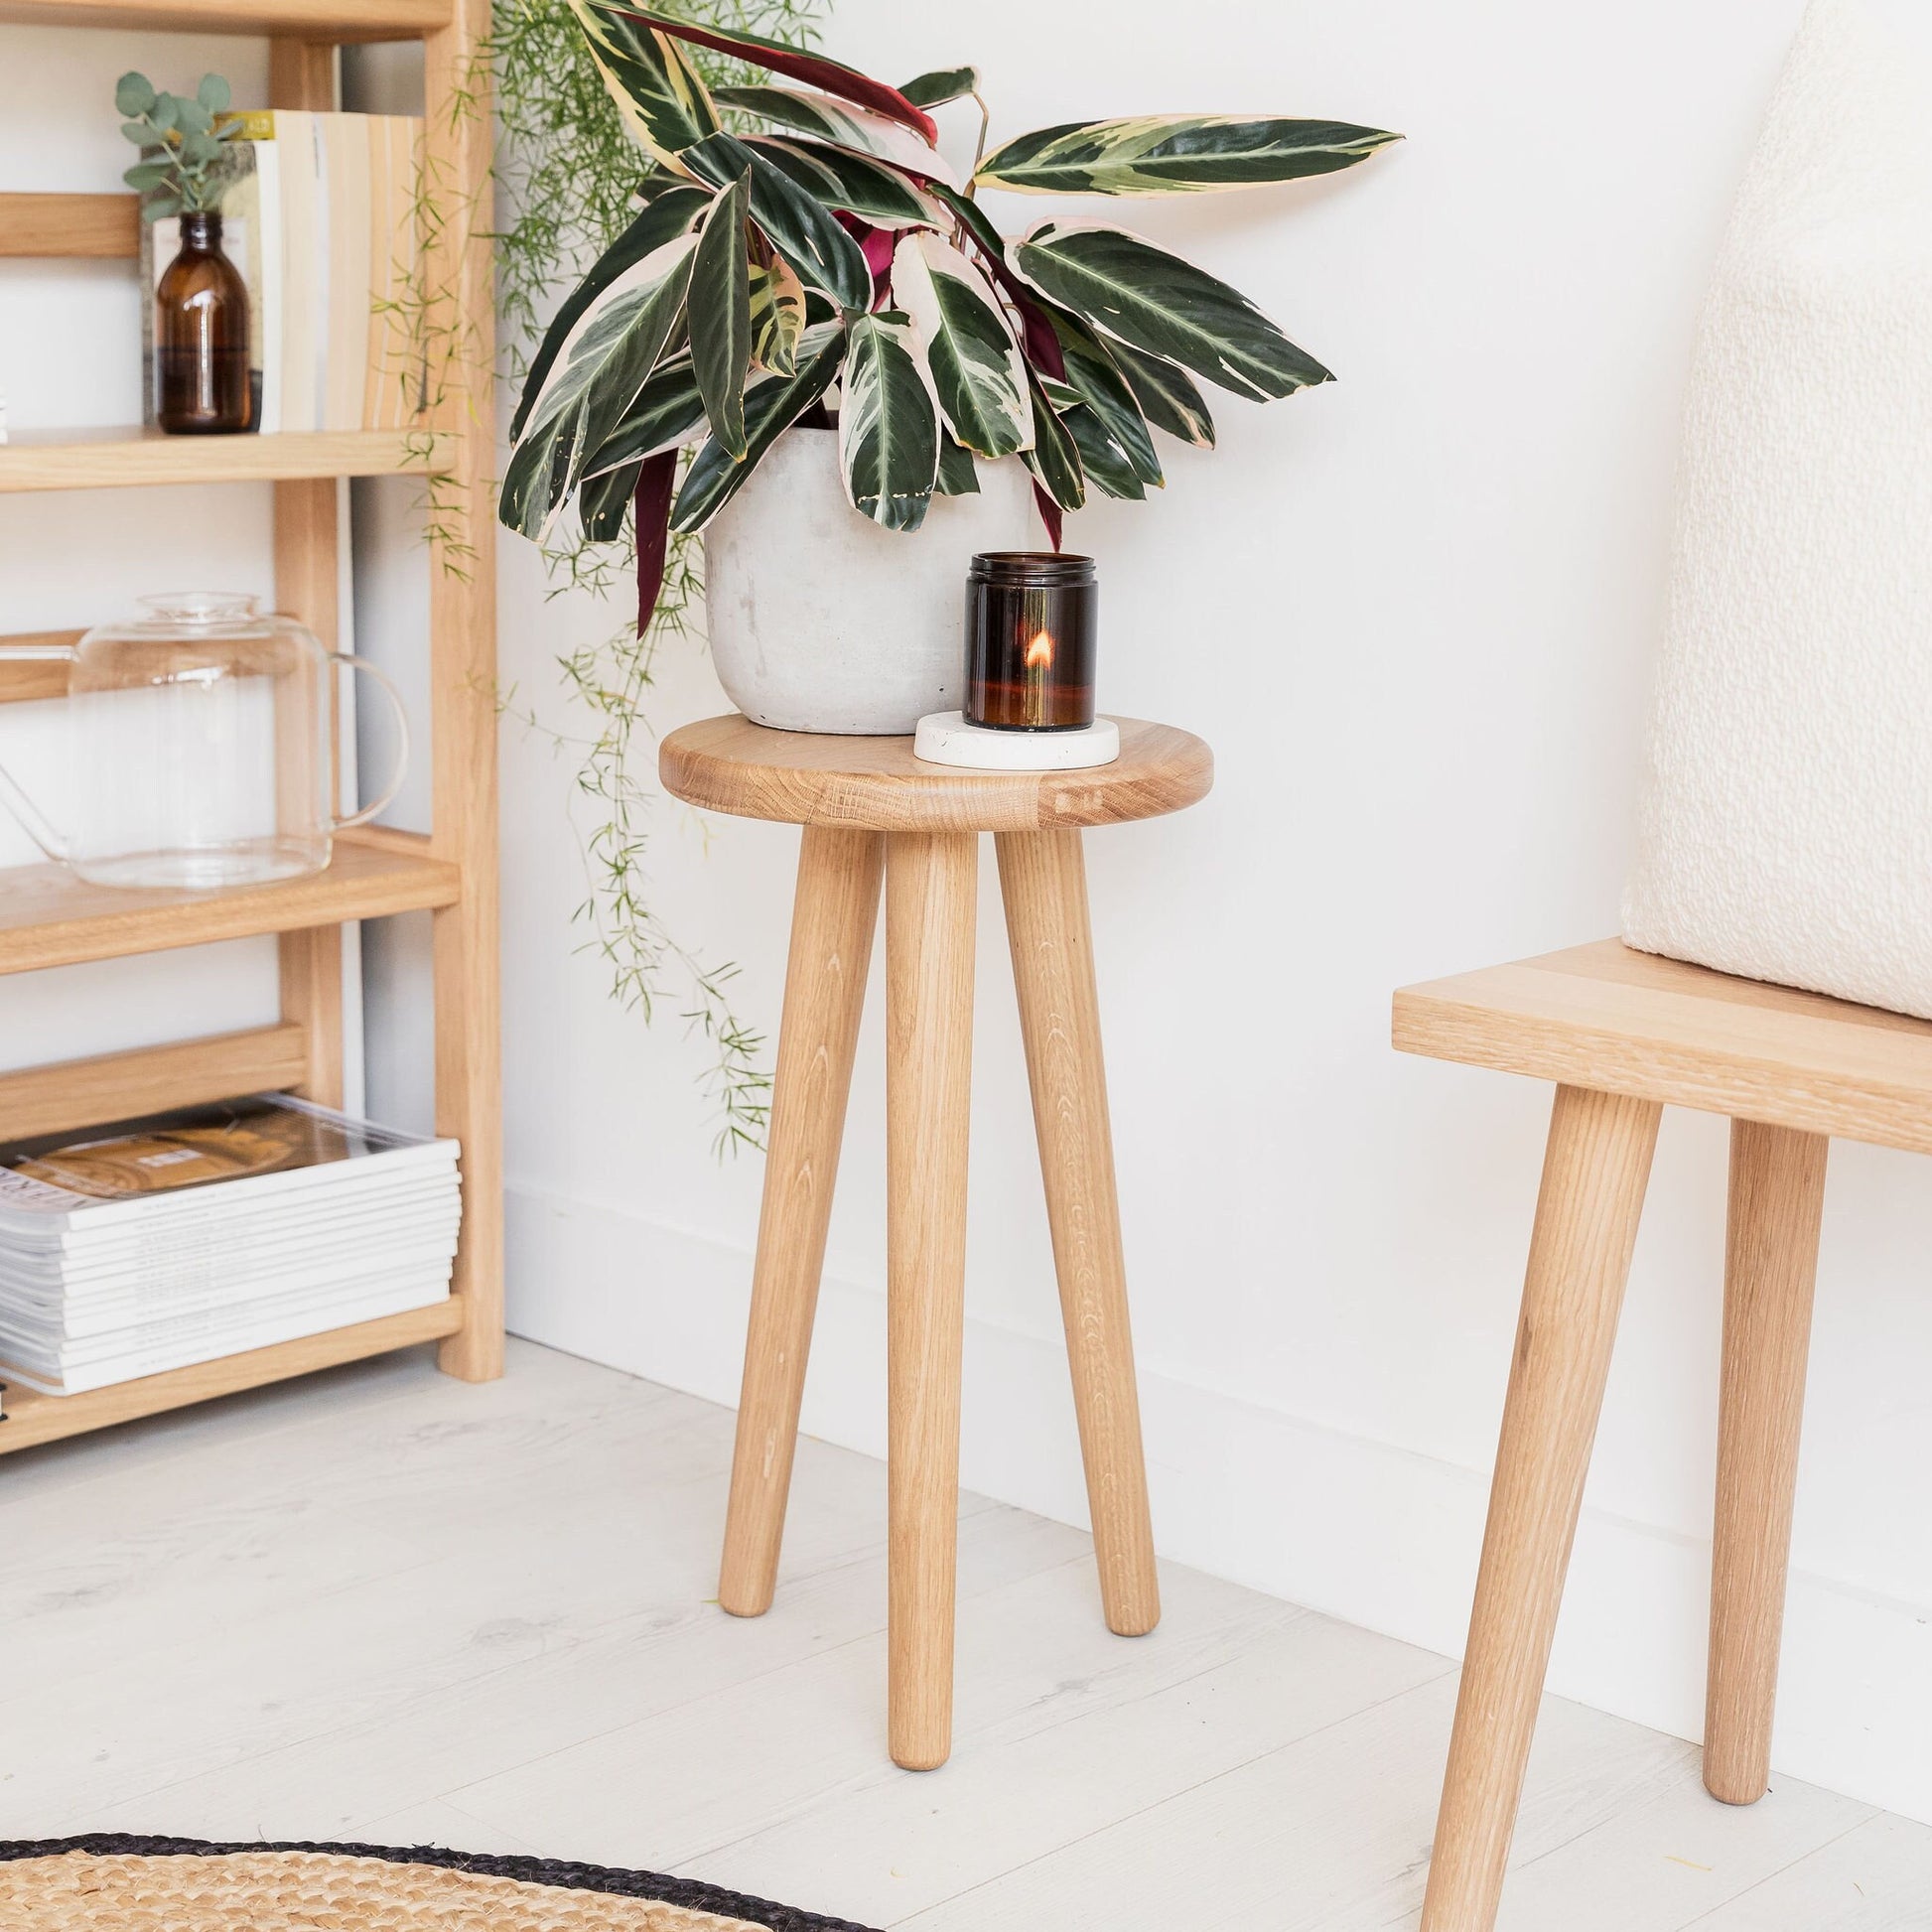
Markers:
569,171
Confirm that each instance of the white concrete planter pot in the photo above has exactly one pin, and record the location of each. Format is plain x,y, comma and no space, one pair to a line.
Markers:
822,622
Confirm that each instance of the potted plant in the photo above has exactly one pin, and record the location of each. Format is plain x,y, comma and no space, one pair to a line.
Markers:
816,267
201,312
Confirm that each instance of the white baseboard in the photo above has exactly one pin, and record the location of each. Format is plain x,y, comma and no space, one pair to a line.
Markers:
1380,1536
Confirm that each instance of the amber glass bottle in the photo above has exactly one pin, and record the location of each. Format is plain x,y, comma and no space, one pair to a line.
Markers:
200,336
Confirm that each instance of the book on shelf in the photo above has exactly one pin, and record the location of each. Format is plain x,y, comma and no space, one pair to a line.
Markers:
159,1243
321,220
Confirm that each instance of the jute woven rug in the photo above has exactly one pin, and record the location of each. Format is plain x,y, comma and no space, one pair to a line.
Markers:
106,1883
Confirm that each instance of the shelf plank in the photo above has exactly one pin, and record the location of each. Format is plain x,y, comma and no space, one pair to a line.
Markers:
23,679
49,917
32,1419
68,1095
98,228
114,458
324,20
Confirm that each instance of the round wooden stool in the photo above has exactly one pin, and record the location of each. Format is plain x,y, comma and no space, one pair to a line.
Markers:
869,809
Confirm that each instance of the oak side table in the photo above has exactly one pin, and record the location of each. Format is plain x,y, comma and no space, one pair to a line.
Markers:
870,810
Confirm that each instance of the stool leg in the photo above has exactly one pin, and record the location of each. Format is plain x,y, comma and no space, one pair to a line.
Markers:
931,885
832,922
1594,1177
1043,880
1777,1198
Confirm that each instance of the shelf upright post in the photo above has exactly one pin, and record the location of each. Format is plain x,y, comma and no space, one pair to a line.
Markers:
308,536
462,664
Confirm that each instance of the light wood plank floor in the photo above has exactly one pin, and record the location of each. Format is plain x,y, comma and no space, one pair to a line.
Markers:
383,1605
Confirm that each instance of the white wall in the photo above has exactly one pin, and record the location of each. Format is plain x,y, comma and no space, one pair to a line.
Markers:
1414,612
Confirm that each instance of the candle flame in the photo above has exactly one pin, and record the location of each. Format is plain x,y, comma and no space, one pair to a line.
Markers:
1039,653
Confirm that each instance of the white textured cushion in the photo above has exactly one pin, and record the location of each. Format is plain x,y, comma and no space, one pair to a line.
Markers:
1787,828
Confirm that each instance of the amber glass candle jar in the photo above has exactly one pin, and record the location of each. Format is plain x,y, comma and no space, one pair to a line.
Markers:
1029,641
200,336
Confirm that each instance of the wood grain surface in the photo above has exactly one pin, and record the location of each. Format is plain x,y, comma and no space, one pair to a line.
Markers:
32,1419
330,20
71,227
729,765
466,942
1778,1205
67,1094
833,918
27,679
1043,880
49,917
114,458
1625,1021
931,890
1595,1173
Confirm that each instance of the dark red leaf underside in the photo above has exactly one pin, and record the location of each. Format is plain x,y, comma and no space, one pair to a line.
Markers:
651,519
813,68
1039,338
877,246
1050,514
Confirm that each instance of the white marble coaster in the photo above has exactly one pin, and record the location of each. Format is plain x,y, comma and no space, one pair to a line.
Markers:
945,738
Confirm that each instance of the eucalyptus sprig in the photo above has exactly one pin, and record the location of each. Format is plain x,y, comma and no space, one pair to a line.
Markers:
185,158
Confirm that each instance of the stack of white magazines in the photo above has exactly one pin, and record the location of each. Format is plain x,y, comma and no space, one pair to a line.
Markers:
211,1230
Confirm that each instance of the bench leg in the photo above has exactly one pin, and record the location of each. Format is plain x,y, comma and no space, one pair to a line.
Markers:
1777,1198
1595,1173
832,921
1042,878
932,887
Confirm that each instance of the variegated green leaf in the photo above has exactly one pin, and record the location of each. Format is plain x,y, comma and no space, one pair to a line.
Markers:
650,77
942,85
796,64
821,118
603,500
720,313
889,426
865,188
975,365
1167,395
1095,379
1175,153
1103,461
1159,303
772,406
1054,457
958,476
801,229
777,299
973,219
592,384
667,411
668,216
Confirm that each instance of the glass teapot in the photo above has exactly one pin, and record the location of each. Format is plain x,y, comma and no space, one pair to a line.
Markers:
205,735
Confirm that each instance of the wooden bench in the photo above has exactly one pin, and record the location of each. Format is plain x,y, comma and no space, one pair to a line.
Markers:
1624,1033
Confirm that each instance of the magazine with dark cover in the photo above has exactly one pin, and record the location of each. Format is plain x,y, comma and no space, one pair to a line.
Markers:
211,1160
156,1243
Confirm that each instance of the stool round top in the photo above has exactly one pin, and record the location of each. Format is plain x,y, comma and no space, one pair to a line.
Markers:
730,765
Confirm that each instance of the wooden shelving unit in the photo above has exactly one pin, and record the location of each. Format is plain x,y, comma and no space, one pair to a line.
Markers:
119,459
323,23
48,917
